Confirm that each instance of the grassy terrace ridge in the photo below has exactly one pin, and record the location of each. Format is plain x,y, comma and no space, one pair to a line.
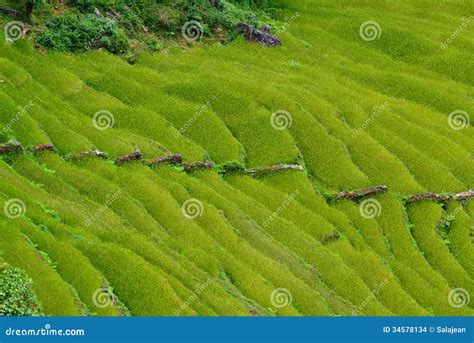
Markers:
359,93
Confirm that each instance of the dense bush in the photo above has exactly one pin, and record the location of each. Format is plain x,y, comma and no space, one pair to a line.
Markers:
16,294
76,33
83,28
159,16
87,3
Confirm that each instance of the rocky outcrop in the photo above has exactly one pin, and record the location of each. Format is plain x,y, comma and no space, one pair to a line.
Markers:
461,197
11,12
168,159
274,168
262,36
133,156
87,153
361,193
41,148
189,167
9,147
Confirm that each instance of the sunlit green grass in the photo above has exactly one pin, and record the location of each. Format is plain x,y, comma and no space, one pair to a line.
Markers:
254,235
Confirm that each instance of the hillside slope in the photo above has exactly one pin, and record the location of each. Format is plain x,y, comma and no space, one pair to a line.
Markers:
360,94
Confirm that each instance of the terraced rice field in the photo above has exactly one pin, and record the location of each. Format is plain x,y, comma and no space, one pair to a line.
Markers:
385,105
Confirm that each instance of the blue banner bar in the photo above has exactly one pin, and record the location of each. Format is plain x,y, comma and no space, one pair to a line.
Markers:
237,329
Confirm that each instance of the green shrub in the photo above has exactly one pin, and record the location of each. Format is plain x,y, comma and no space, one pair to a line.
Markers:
88,3
108,24
231,15
76,33
16,294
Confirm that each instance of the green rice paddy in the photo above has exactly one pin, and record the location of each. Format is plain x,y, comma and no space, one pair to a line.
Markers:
97,238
